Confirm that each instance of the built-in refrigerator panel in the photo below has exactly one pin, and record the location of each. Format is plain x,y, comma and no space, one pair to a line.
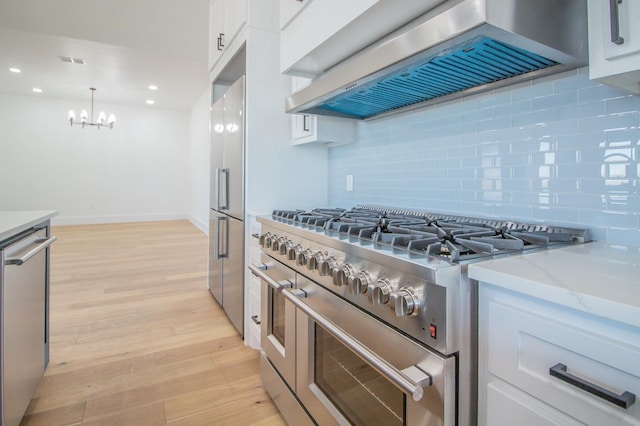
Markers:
226,229
232,179
232,244
215,260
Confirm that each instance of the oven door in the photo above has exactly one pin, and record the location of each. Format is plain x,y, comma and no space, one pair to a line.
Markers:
277,330
353,369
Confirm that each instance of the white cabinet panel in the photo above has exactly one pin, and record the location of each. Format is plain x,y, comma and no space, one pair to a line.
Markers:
325,32
289,9
614,43
307,128
226,20
522,339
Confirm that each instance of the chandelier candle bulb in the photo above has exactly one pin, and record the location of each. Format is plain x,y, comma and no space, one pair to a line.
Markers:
84,117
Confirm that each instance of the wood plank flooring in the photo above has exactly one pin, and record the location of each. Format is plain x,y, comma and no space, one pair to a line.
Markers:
136,338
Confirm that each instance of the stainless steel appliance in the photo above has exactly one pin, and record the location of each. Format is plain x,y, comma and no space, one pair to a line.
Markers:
24,334
385,315
459,47
226,220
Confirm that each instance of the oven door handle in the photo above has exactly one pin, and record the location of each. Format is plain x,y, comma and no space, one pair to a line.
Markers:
258,270
412,380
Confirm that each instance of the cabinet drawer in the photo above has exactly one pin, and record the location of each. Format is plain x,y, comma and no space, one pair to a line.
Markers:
506,403
526,338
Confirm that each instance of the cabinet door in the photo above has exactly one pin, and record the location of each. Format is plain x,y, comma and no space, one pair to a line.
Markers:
289,9
216,30
614,43
235,15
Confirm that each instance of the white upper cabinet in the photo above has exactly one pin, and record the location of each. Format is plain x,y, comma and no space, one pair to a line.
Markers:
614,43
318,34
226,19
307,128
289,9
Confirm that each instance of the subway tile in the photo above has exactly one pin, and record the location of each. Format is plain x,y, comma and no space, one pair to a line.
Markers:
533,118
600,93
493,98
462,195
624,236
568,84
594,109
497,123
555,78
580,201
512,109
623,105
464,129
449,206
532,91
604,218
553,129
597,233
478,115
559,100
608,123
568,215
462,151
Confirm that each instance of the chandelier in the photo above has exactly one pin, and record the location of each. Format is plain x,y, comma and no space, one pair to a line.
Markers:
102,118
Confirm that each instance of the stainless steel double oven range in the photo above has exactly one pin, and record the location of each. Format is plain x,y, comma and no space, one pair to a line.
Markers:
368,316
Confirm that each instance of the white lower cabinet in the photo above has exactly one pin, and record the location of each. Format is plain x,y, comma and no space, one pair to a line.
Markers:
543,364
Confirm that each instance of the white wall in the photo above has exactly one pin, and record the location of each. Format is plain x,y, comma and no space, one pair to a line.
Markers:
135,172
199,154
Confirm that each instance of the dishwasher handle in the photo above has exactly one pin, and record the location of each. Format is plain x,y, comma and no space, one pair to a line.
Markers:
42,244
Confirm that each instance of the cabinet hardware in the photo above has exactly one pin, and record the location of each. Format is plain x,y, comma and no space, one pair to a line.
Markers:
305,123
255,319
614,18
624,400
220,41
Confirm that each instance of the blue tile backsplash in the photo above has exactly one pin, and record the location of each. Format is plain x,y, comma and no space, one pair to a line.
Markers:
561,149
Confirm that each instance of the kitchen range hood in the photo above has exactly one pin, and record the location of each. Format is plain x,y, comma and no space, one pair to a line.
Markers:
460,47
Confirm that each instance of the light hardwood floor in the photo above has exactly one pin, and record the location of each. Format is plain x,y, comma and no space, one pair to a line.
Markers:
136,338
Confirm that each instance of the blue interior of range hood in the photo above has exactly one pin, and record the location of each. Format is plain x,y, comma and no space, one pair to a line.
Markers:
474,64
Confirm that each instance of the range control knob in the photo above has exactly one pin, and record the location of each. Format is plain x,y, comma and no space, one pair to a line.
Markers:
284,247
341,275
314,260
301,257
268,242
359,283
277,242
262,239
404,301
292,250
379,291
326,266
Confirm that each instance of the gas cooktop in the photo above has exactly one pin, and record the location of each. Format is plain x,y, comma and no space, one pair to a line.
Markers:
452,238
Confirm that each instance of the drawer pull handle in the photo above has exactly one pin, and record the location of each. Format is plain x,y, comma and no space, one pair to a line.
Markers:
624,400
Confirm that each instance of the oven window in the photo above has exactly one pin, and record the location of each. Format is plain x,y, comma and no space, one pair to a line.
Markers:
277,316
362,395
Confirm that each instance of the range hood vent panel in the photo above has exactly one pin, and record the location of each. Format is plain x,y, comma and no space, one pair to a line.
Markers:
478,63
484,51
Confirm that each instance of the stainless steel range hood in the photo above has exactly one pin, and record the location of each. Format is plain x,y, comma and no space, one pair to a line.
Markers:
459,48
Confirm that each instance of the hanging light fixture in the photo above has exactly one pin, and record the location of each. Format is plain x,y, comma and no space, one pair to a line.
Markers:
84,117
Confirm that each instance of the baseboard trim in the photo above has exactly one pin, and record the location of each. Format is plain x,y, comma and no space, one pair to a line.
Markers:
204,227
94,220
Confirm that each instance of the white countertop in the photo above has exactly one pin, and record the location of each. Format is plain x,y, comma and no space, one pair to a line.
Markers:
598,278
14,222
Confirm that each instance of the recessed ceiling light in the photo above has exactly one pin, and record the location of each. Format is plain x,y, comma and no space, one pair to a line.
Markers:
153,87
150,102
37,90
16,70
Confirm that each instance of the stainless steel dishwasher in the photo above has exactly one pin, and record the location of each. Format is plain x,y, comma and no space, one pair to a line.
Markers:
23,319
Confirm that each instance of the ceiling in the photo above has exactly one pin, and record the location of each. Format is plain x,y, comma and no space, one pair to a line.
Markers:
127,45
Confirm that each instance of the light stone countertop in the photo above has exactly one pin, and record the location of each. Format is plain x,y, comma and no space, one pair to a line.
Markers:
598,278
14,222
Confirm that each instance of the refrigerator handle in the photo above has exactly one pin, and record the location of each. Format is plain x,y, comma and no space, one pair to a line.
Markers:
216,239
225,192
223,250
216,195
